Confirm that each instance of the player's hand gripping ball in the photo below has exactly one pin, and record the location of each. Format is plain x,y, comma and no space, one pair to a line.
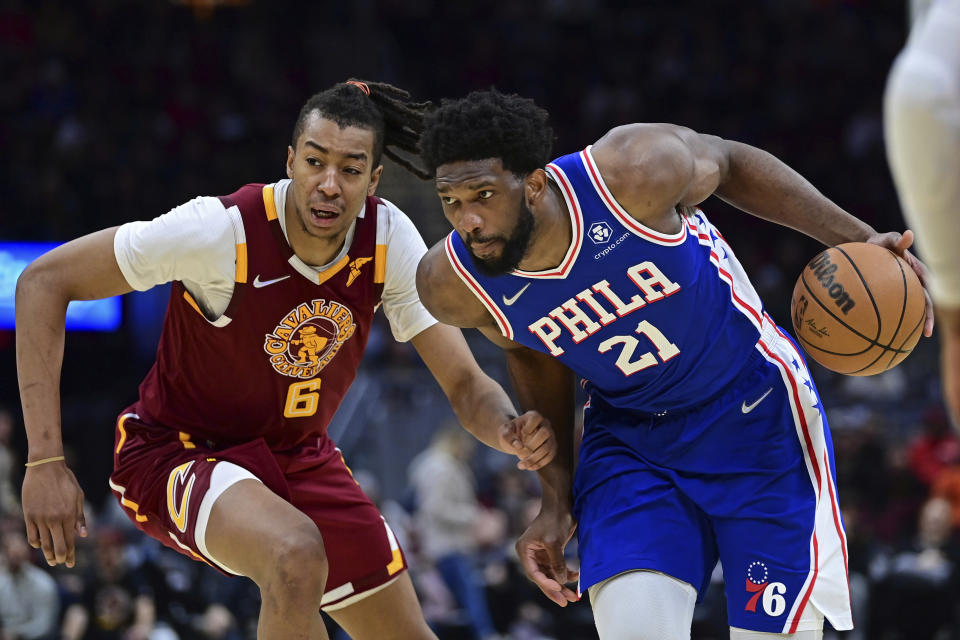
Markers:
858,309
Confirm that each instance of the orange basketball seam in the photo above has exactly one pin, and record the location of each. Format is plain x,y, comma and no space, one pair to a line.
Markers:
910,335
866,287
903,308
896,352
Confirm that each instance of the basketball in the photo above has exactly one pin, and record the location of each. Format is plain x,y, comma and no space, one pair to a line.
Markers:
858,309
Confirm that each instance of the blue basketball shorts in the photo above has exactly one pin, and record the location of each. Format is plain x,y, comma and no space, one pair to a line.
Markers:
746,478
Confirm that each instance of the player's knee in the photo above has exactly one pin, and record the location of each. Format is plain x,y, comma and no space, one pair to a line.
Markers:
643,605
297,562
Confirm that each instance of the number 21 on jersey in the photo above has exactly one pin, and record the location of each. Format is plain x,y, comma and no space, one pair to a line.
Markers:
625,361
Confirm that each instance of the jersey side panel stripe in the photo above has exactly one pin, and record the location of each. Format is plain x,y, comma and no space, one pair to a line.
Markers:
742,294
832,534
810,458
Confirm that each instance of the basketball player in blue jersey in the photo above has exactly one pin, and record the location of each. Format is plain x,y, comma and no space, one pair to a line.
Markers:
704,437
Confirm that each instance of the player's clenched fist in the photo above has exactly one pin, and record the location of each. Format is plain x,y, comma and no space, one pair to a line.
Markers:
531,439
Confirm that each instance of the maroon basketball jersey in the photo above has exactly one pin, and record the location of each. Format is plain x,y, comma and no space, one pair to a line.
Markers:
279,360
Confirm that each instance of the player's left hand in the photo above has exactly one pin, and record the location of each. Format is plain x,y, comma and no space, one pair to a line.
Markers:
530,437
540,551
899,243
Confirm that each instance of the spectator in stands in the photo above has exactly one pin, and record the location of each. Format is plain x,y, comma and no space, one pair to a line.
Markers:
935,448
29,604
8,500
117,602
917,588
447,516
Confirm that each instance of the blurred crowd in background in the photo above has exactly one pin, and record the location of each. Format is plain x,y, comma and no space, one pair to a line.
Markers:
114,110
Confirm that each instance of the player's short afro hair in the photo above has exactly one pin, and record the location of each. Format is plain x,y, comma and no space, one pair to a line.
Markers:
488,124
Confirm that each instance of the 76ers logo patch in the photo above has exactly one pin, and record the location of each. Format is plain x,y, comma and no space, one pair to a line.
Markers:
758,583
309,337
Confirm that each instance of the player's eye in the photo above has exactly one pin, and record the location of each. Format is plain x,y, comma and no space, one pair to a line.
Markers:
485,194
313,162
447,200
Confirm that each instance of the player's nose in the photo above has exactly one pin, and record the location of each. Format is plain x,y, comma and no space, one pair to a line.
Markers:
328,184
470,220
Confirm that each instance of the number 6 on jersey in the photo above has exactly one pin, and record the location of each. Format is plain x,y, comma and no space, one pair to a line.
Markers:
302,399
665,349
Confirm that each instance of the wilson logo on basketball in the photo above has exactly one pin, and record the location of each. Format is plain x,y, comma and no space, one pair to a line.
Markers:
309,337
823,269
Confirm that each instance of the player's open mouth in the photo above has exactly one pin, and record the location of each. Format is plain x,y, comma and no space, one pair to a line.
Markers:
323,214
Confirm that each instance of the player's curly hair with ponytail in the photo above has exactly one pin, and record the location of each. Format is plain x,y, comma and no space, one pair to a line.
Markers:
395,120
488,124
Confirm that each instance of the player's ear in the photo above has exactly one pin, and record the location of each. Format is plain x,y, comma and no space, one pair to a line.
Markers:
535,186
374,180
290,155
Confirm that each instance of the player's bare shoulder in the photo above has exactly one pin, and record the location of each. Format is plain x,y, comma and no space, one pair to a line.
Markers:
652,167
445,295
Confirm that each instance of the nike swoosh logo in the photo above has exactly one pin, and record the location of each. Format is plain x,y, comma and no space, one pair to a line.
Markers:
509,301
258,283
747,408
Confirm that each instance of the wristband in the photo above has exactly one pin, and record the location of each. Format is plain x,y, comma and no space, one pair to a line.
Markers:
36,463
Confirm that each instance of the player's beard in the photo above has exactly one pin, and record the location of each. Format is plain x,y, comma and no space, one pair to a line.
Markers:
514,247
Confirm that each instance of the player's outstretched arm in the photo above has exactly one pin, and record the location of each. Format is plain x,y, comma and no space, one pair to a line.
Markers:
540,382
481,405
651,168
84,269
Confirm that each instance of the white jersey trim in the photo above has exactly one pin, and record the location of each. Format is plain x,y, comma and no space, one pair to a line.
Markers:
499,316
621,214
576,225
826,585
742,294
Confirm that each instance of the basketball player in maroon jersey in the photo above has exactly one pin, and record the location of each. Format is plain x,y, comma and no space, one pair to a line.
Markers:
225,456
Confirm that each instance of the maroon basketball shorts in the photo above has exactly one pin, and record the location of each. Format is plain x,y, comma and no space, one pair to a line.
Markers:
168,483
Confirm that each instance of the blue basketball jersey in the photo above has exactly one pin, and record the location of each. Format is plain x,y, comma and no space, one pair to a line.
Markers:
704,437
651,321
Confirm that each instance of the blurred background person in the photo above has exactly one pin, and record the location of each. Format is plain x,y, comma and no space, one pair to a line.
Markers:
9,504
450,520
922,119
917,595
29,602
117,601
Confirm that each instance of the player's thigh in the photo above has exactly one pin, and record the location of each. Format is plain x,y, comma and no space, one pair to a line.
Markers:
634,517
392,612
250,528
643,605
